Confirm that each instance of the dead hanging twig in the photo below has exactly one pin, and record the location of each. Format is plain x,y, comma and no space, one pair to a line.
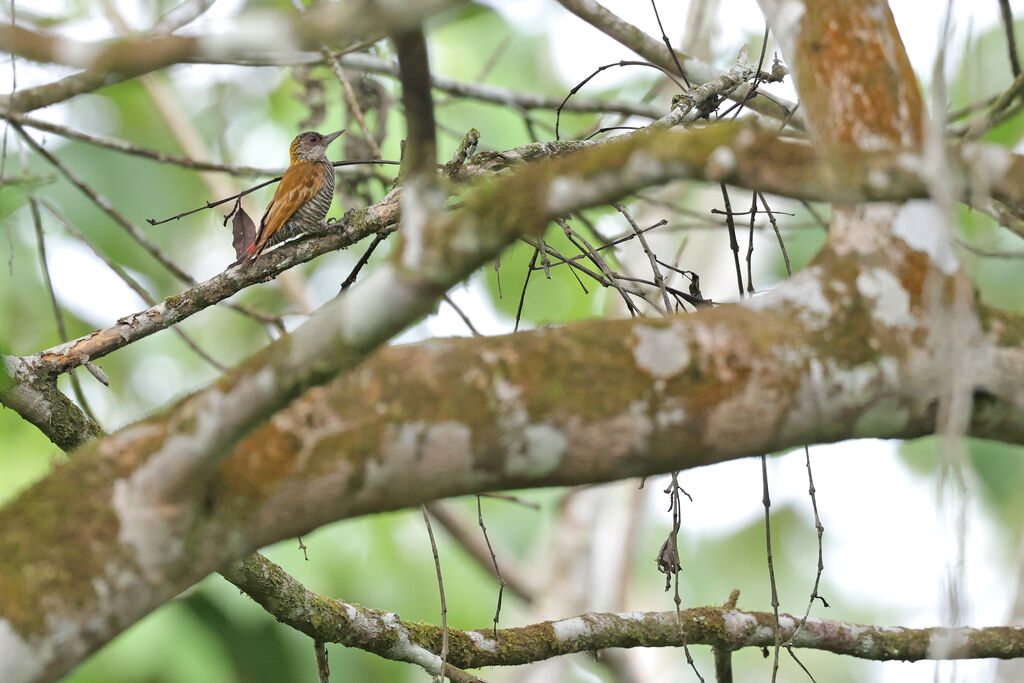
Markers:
669,564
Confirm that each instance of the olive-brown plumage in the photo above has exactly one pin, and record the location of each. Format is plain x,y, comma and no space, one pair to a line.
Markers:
302,198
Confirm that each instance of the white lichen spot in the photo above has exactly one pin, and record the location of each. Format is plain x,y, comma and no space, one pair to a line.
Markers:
737,622
804,292
544,449
568,629
662,352
482,642
721,162
642,165
445,439
891,300
878,179
75,53
562,192
413,450
506,392
922,225
672,414
745,139
19,661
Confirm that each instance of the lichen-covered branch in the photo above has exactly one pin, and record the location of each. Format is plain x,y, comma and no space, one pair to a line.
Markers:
389,636
38,401
656,52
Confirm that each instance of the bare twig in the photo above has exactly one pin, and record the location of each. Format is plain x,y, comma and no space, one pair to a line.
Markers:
811,491
440,588
659,281
750,245
733,244
778,235
767,502
1011,41
668,45
135,150
100,201
377,239
323,668
462,315
58,313
576,88
465,535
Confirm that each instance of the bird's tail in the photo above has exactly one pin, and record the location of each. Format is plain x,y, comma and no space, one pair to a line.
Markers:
246,257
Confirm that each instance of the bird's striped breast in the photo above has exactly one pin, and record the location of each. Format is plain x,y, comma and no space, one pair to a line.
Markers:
310,214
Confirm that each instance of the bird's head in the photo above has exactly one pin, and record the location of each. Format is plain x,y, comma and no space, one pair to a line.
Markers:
311,145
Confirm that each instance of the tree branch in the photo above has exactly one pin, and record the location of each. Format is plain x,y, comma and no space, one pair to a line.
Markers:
137,55
656,52
389,636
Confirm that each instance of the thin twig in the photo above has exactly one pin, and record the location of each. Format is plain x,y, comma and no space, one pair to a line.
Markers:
377,239
1011,40
778,235
468,536
659,280
750,244
323,668
522,295
733,244
671,565
462,314
494,560
821,565
58,314
591,253
668,44
624,62
134,150
440,587
106,207
767,502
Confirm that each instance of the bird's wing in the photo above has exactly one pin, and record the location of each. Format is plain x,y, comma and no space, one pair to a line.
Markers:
299,184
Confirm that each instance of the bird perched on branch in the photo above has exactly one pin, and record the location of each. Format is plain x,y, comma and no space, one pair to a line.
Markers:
302,198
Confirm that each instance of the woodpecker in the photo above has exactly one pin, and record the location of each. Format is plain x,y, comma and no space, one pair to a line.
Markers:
302,198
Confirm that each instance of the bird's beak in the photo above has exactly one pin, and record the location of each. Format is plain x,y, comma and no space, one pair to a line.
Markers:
332,137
